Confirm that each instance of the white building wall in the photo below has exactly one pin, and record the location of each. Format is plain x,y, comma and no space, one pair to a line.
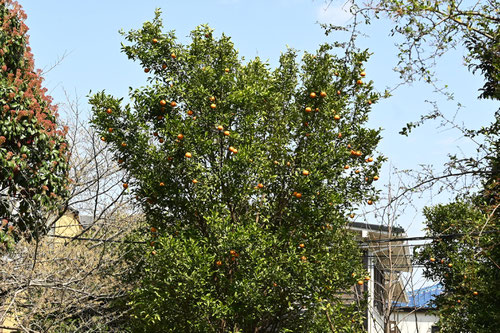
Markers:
413,322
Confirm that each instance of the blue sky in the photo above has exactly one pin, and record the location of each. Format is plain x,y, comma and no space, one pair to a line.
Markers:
86,32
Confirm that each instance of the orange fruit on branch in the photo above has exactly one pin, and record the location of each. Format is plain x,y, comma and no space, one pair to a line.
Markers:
322,94
308,109
312,95
188,155
163,102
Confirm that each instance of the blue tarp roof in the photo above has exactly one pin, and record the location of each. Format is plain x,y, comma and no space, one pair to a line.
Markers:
421,298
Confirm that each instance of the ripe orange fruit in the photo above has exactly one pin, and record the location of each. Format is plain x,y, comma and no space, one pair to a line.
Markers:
188,155
338,92
173,56
301,245
317,109
360,282
232,252
353,152
276,162
346,167
155,133
359,82
369,102
213,106
260,185
357,171
212,98
162,184
475,293
218,263
336,117
450,265
103,138
226,133
164,66
275,284
308,109
163,102
362,74
161,140
220,127
124,144
226,70
312,95
305,172
109,111
340,135
370,159
155,40
303,258
180,136
370,202
173,104
298,195
375,178
146,70
110,130
125,185
322,94
190,112
153,229
351,216
432,259
195,181
153,252
367,278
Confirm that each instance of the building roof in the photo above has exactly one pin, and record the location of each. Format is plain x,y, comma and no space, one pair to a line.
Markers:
375,227
421,298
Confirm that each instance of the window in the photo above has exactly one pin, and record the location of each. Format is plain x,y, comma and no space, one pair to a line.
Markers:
379,282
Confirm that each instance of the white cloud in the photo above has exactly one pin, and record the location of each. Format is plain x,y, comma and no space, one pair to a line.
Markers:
336,13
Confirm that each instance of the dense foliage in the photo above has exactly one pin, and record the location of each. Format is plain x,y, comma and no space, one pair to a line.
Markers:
246,176
33,150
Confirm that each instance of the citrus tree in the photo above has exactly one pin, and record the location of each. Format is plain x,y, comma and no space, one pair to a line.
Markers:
466,260
33,149
246,176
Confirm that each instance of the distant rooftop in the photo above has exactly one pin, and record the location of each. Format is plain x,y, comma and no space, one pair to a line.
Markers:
421,298
376,227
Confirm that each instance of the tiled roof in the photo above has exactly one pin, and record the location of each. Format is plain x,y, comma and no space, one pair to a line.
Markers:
421,298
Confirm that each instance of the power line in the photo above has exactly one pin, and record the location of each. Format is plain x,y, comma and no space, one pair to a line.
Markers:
439,237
